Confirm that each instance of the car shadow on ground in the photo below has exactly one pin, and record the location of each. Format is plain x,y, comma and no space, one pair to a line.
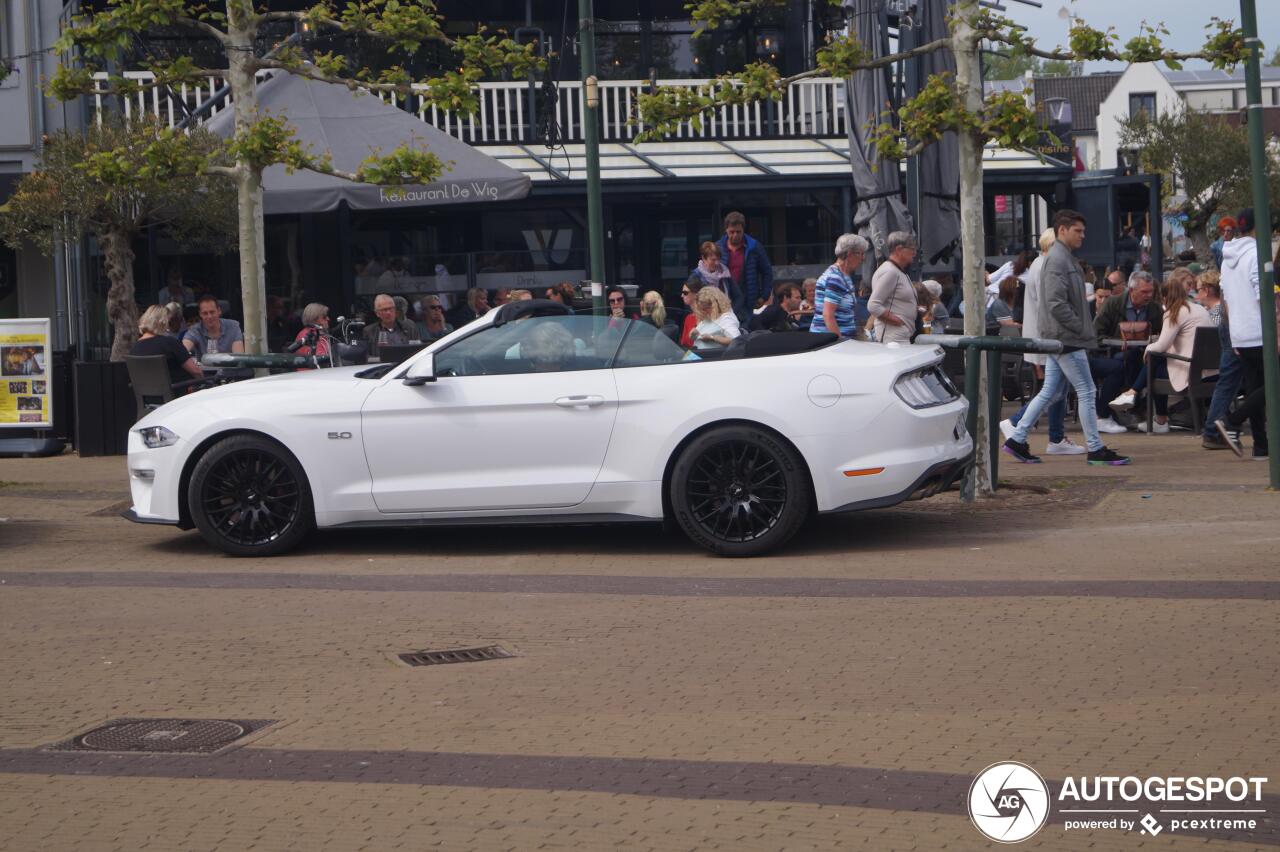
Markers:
863,532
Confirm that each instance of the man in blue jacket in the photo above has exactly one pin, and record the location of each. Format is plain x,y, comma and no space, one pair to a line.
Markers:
748,265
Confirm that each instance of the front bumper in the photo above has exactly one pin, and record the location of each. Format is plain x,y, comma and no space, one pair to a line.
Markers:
131,515
153,481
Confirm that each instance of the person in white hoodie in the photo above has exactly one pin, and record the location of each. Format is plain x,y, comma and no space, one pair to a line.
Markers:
1240,292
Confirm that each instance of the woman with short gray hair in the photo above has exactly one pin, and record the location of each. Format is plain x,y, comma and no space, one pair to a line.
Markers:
893,298
833,299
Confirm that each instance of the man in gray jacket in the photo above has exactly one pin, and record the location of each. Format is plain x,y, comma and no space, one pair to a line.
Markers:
1064,316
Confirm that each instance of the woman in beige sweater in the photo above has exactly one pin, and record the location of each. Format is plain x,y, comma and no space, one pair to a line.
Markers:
1177,336
893,298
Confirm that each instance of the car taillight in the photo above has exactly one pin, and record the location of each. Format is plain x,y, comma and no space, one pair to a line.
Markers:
925,388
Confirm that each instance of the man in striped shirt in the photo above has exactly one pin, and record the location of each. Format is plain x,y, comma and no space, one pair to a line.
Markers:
833,302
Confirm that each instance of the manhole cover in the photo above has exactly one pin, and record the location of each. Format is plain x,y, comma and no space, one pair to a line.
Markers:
163,736
458,655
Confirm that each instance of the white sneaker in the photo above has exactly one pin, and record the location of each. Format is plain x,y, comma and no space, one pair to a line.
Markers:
1006,428
1157,428
1110,426
1065,447
1124,401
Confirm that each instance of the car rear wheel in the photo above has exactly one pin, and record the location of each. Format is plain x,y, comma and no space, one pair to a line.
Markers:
249,497
739,491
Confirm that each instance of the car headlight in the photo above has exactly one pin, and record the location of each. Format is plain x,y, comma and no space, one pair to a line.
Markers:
157,436
925,388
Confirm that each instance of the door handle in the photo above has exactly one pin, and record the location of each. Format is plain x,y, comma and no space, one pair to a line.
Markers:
580,401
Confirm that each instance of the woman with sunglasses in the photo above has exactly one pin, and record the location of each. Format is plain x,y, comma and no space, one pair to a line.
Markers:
432,326
687,294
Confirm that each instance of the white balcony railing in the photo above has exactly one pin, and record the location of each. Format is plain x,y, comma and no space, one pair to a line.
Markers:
810,108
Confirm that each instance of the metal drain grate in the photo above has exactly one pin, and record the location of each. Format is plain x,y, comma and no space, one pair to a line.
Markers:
459,655
163,736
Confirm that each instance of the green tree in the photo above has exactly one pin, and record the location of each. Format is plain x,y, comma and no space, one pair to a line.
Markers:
1203,160
1275,57
944,105
401,27
1011,66
114,181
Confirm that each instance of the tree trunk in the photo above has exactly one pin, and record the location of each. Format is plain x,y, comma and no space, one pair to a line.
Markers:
1200,242
965,44
122,308
244,95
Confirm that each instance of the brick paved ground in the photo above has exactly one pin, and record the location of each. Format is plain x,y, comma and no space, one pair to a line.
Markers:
842,693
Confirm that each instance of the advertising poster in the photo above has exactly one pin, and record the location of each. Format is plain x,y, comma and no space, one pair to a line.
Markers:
25,367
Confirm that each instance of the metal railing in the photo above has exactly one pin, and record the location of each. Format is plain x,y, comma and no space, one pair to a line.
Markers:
810,108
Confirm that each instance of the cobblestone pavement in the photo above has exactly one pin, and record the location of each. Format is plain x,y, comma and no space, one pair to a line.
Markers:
842,693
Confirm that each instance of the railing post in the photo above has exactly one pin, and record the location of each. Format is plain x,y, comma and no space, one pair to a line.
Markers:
995,384
972,358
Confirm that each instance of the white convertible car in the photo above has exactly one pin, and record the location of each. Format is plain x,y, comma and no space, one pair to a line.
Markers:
532,414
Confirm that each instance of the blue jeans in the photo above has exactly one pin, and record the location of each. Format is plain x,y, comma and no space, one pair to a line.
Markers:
1230,374
1070,367
1161,372
1057,416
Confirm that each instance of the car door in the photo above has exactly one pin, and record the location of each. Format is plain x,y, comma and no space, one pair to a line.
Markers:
520,417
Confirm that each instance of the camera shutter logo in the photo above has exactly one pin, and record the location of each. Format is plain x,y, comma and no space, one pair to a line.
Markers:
1009,802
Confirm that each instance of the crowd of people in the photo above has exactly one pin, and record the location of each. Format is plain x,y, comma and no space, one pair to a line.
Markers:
1116,346
1121,332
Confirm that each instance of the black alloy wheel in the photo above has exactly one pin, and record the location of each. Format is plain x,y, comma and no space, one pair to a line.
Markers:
250,497
739,491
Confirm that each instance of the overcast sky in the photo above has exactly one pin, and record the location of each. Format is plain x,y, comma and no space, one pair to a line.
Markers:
1185,20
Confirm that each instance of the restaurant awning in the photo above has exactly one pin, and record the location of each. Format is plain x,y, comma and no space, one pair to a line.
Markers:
351,126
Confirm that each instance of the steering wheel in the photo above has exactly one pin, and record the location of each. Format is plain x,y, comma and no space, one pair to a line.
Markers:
464,365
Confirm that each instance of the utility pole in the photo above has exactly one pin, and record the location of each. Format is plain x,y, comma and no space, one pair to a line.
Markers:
1262,216
591,140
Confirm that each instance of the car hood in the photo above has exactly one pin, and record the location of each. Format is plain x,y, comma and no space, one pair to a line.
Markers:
271,392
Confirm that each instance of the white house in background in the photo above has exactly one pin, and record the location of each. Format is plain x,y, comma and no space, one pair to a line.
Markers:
1157,90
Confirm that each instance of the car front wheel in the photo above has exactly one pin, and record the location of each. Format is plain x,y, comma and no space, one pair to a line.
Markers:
249,497
739,491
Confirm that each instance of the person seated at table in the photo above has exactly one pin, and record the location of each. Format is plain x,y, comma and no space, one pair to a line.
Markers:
562,293
783,313
717,323
519,296
1177,336
432,327
156,340
213,333
936,315
654,312
314,314
1125,318
388,330
1000,311
177,325
476,305
689,292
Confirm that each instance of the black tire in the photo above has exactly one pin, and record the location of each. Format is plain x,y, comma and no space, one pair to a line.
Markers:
739,491
248,496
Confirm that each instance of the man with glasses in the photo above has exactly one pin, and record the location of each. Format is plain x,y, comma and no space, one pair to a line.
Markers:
432,326
388,330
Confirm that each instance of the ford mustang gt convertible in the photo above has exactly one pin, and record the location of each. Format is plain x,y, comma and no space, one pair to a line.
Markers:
532,414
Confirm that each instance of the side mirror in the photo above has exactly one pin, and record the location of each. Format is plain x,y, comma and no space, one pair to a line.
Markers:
422,371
